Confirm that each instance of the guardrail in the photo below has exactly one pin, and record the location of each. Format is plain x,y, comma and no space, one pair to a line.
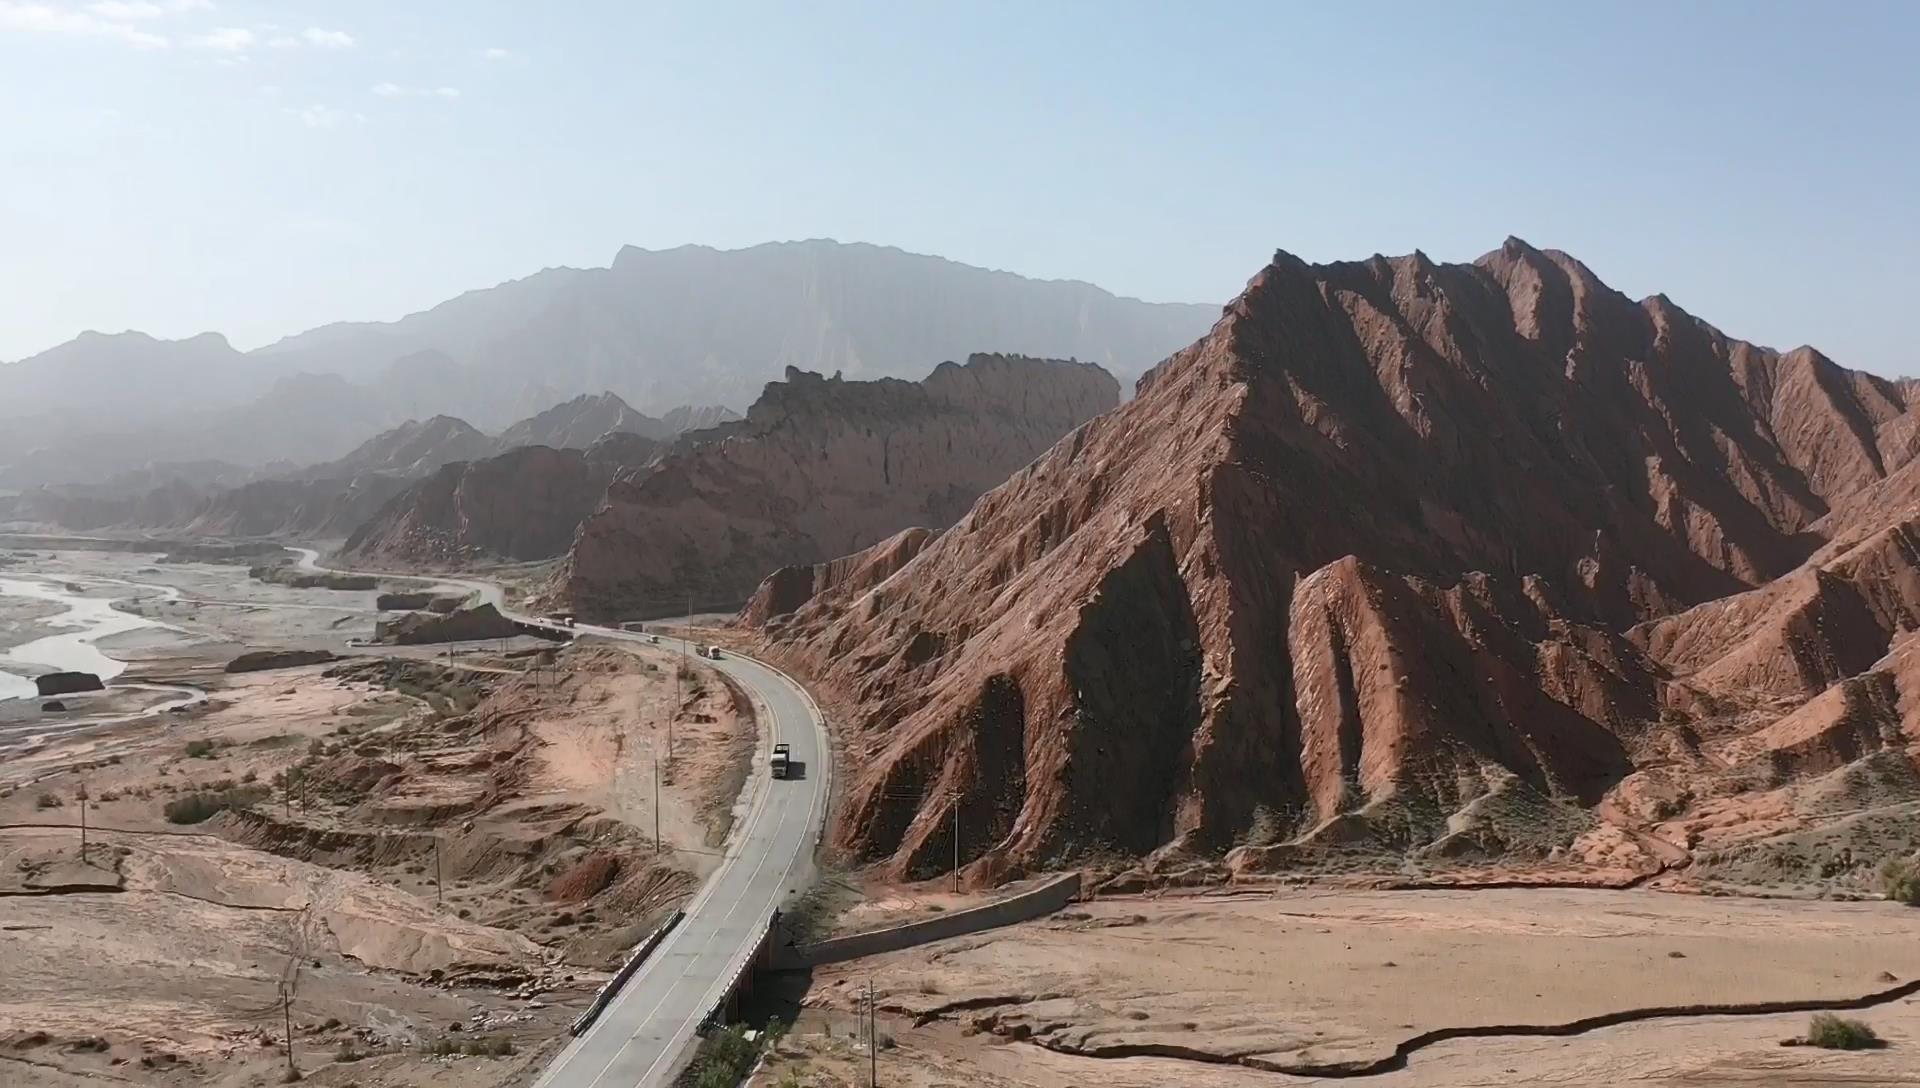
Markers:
1030,904
624,974
742,979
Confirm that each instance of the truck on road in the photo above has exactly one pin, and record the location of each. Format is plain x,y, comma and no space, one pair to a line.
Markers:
781,762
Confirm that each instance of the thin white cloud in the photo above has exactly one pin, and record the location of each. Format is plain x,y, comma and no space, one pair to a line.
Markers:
318,116
395,90
226,39
128,10
36,18
327,39
122,10
496,53
283,42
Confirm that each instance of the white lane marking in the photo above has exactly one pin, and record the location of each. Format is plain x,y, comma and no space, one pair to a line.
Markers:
720,981
495,595
647,974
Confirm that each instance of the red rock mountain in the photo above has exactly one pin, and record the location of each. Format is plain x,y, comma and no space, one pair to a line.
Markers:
820,467
524,504
1365,563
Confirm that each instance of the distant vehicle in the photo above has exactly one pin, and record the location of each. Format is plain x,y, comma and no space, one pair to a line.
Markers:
655,639
564,619
781,763
713,653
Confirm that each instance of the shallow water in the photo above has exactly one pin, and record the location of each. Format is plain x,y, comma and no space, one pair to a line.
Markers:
93,618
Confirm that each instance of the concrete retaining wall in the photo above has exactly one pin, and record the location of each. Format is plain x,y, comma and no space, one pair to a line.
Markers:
624,974
1033,903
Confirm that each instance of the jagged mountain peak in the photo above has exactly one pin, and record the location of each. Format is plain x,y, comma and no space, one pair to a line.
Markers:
1365,551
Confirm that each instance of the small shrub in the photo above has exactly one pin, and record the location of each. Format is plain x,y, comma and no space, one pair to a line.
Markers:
441,1047
1833,1033
198,807
491,1046
724,1058
48,800
348,1052
1900,879
199,749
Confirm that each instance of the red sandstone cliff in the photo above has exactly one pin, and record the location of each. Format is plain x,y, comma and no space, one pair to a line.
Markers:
524,504
1359,564
819,468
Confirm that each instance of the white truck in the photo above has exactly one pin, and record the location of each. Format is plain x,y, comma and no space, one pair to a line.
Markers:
781,762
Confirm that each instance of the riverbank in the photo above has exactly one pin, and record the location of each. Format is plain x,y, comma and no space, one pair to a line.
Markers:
55,622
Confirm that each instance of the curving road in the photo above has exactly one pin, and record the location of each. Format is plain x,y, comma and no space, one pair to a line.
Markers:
646,1034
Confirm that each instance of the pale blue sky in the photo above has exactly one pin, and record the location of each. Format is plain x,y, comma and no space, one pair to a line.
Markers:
261,167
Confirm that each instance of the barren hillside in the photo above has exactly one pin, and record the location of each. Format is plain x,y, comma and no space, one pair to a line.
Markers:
820,467
1360,567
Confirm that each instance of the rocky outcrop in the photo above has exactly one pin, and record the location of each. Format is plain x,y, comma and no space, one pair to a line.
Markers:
468,624
67,683
787,589
580,423
523,504
286,574
414,448
819,468
262,660
1359,565
690,417
321,509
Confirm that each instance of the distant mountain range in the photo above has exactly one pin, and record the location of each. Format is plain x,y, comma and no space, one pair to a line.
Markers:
330,499
691,325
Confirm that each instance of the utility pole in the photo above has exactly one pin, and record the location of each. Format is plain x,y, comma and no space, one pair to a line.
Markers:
81,795
286,1015
656,805
436,870
873,1039
956,846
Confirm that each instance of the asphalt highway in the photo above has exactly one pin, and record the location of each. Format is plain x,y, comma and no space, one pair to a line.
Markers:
646,1034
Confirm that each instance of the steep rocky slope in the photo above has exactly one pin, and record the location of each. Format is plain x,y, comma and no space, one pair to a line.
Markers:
578,423
1356,567
324,509
414,448
820,467
523,504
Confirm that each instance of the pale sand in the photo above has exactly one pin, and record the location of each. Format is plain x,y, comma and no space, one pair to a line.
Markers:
1309,978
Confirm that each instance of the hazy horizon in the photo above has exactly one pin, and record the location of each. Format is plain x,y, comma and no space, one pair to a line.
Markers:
274,338
256,169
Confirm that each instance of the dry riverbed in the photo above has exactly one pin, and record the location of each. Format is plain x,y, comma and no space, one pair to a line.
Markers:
1215,990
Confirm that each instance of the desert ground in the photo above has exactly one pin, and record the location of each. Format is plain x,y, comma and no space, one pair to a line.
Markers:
429,857
522,777
1237,990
